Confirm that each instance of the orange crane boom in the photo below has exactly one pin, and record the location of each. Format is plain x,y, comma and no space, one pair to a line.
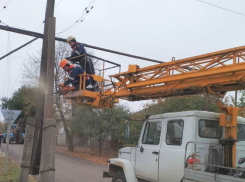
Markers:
214,73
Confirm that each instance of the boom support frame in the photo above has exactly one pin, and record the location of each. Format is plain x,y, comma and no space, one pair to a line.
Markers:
213,73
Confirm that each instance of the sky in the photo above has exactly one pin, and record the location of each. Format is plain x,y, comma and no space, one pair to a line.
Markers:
157,29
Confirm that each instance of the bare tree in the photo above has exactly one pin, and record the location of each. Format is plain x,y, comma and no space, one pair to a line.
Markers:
31,77
62,51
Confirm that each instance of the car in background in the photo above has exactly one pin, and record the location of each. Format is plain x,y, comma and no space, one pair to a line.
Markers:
17,133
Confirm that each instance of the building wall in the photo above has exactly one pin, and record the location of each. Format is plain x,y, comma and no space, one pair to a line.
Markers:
61,139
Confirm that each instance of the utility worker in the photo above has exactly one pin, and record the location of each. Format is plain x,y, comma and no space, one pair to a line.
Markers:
78,50
74,75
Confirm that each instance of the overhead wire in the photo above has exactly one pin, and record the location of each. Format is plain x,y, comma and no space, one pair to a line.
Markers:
58,4
82,17
4,7
44,20
10,67
24,59
4,85
221,7
7,81
1,22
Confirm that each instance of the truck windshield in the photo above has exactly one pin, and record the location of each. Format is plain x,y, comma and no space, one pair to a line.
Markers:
209,129
241,132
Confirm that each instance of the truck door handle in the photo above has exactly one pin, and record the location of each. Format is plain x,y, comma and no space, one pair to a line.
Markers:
155,152
141,149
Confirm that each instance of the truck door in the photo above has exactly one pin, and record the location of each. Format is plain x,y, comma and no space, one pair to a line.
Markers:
147,152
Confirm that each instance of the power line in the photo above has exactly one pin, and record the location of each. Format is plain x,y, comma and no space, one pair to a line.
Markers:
44,21
221,7
3,23
39,26
4,7
58,4
7,81
24,59
10,66
83,16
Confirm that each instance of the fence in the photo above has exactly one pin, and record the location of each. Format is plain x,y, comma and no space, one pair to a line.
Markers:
79,141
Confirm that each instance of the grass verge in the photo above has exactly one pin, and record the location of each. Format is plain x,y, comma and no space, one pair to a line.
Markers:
13,172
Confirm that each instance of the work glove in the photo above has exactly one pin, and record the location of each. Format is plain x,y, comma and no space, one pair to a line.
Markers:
61,84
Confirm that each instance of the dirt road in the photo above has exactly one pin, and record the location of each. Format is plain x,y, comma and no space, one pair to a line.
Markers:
68,168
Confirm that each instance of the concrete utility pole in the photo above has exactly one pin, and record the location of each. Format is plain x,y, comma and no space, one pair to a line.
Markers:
46,80
47,167
26,160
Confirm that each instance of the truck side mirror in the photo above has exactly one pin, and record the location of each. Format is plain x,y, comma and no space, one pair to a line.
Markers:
127,131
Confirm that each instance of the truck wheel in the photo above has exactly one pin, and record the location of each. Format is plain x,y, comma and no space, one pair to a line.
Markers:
4,140
119,177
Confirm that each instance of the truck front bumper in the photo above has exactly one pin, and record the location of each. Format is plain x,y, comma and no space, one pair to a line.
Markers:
106,175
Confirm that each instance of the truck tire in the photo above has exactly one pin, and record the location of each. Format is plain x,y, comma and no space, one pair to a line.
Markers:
4,140
119,177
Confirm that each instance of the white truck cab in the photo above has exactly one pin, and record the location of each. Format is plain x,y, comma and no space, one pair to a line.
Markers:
159,154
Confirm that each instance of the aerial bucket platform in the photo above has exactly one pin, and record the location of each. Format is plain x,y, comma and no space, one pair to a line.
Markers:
214,73
90,96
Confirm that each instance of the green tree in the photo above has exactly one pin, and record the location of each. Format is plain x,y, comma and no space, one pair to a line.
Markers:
3,127
178,104
24,99
98,124
240,101
135,129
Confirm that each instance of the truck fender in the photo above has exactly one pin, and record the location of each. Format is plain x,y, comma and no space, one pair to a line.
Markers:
124,164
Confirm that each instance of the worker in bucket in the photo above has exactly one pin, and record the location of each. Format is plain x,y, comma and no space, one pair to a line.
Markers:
79,50
74,75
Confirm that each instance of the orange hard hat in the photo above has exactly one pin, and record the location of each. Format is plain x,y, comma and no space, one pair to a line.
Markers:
63,62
